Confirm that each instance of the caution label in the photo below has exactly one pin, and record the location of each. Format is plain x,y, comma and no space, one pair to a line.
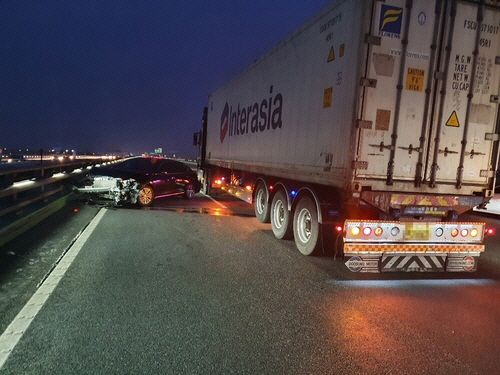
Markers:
415,79
327,97
331,55
453,120
341,50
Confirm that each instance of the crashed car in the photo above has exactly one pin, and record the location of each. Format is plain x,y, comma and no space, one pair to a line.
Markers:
139,180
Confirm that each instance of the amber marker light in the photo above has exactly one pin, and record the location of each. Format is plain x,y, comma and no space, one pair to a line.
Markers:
454,232
378,231
474,232
355,231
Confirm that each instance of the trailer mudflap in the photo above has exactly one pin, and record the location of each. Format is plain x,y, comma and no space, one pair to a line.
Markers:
418,257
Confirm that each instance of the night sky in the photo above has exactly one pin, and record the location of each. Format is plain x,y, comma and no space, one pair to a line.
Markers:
130,76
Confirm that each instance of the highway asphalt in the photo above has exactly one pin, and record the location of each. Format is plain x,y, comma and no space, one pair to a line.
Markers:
178,290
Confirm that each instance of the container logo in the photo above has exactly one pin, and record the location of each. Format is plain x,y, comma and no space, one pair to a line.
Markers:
260,116
224,123
391,19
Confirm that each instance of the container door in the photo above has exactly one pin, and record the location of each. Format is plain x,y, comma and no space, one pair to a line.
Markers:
430,104
462,140
396,106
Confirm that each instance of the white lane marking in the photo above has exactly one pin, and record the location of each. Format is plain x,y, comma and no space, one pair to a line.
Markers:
21,322
217,202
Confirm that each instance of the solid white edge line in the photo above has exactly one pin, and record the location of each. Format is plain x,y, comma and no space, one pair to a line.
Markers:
217,202
16,329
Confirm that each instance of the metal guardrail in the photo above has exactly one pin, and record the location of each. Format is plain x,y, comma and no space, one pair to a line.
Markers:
31,191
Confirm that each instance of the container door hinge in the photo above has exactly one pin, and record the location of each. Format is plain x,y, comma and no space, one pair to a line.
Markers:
446,151
381,146
410,149
471,153
491,137
363,124
368,82
372,39
486,173
357,164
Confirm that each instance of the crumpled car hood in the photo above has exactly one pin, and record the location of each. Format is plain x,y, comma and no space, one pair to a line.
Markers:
117,190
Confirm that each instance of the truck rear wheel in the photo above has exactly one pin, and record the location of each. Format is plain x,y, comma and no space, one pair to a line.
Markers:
261,204
306,229
280,216
207,183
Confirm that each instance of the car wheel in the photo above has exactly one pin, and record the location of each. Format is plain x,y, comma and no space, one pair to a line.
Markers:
189,191
146,196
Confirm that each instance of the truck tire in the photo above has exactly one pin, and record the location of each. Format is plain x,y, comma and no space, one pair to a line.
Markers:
261,204
281,217
306,228
207,183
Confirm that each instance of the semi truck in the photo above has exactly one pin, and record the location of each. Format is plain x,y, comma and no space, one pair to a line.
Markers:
368,131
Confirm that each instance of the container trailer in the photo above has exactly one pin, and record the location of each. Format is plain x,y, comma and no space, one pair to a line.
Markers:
375,122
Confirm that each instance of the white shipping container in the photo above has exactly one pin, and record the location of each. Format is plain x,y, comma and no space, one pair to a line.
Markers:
372,93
